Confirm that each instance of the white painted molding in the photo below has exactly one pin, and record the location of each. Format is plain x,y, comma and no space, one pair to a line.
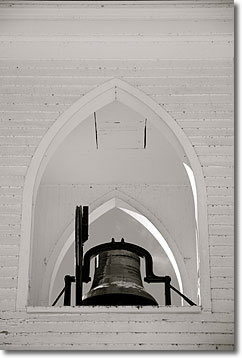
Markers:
80,110
118,38
105,10
120,309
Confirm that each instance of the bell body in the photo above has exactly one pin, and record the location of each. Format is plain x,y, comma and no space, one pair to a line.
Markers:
117,281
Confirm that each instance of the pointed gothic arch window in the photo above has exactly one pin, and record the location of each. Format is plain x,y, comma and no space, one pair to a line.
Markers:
110,94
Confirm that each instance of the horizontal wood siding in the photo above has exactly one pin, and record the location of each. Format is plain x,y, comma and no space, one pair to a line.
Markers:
189,72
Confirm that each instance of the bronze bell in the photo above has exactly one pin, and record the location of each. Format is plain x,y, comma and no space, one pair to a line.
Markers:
117,281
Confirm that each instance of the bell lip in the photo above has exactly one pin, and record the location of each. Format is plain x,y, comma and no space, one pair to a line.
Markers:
144,300
118,290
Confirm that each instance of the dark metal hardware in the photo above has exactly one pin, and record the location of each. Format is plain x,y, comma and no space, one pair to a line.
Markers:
82,273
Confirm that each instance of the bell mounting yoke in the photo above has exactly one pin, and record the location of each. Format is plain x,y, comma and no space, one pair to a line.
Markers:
138,250
82,272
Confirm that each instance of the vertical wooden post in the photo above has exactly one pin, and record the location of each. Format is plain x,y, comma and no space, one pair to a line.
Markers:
79,254
81,236
167,291
85,224
67,292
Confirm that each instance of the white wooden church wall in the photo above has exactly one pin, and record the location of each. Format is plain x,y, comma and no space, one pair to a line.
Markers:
179,54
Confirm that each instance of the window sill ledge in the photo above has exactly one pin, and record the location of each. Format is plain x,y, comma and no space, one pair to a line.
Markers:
120,309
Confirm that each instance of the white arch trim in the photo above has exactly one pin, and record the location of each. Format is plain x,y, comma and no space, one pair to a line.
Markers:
61,249
157,235
110,91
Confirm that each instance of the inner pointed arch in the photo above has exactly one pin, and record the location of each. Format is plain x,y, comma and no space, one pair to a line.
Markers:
103,209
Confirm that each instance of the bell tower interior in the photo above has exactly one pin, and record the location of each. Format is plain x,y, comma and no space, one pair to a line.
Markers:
116,152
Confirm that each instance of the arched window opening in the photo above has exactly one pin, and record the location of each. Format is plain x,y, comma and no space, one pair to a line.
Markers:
113,141
113,147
